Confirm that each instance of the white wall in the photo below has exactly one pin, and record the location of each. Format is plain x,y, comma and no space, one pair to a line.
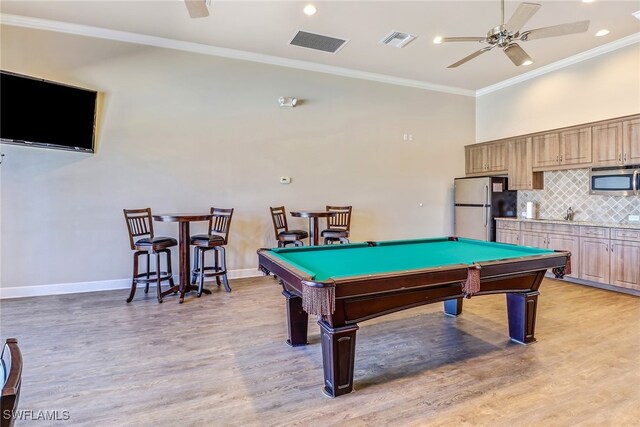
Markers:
181,132
600,88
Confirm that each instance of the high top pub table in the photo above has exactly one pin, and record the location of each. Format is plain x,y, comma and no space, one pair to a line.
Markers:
313,222
184,242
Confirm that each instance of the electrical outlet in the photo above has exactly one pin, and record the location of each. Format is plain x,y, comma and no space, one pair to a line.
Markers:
285,180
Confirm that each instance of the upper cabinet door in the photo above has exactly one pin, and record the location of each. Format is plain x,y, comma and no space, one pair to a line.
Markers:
476,159
521,175
631,145
575,147
607,144
497,158
546,150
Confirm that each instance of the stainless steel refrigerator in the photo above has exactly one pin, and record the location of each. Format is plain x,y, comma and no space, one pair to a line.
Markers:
477,202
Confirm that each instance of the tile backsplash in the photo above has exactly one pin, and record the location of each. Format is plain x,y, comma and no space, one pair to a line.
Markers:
571,188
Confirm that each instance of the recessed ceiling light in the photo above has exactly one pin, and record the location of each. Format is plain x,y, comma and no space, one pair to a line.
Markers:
309,10
437,40
602,33
527,62
588,1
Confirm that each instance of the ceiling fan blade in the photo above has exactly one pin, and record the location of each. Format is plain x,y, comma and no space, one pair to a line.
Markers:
470,57
517,55
198,8
461,39
556,30
521,16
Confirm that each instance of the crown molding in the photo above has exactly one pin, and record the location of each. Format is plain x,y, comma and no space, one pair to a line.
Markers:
124,36
583,56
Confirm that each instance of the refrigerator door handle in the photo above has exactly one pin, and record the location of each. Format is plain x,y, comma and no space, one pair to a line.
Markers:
486,203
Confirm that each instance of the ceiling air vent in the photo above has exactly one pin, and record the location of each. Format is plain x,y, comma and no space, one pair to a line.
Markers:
317,42
397,39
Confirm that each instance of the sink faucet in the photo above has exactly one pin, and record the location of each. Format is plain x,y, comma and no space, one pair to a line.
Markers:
569,215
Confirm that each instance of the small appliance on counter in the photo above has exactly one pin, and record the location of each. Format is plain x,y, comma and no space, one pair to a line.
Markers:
531,211
477,202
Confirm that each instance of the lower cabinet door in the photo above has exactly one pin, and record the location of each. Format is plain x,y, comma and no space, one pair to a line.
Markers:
567,243
508,236
537,240
594,260
625,264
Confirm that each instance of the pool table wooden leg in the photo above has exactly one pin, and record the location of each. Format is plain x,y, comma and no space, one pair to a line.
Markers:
521,308
453,307
338,357
297,320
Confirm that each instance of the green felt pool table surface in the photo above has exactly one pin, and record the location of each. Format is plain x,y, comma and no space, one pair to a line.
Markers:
338,261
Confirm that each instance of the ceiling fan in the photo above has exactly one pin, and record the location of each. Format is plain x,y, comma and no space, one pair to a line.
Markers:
198,8
506,35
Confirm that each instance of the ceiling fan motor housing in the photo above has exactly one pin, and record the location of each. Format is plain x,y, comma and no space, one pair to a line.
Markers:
500,36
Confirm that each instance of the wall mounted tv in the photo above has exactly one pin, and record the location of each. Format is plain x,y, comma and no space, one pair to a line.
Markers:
40,113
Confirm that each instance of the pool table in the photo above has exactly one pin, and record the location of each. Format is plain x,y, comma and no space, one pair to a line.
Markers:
347,284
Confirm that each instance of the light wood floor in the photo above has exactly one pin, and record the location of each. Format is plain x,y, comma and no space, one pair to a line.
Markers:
222,360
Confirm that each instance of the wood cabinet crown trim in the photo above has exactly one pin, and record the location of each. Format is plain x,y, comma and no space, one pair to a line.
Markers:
562,129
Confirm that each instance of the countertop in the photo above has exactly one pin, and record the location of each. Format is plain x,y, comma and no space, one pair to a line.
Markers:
631,225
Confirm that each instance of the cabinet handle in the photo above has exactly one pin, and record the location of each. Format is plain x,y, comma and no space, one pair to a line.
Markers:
625,157
611,248
560,158
606,248
620,157
557,159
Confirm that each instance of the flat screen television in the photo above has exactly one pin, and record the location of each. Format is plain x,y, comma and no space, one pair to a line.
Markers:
40,113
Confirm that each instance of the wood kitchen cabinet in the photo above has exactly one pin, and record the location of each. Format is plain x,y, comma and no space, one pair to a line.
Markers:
604,255
475,159
625,258
508,236
486,158
508,232
560,237
631,142
497,157
595,259
616,144
571,147
625,264
521,175
575,147
607,144
594,254
546,150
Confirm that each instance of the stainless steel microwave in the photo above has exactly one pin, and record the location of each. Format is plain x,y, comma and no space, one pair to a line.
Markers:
615,181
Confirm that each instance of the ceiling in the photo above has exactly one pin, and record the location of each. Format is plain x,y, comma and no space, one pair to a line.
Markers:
266,27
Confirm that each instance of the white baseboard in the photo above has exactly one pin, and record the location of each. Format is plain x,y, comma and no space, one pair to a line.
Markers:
96,286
